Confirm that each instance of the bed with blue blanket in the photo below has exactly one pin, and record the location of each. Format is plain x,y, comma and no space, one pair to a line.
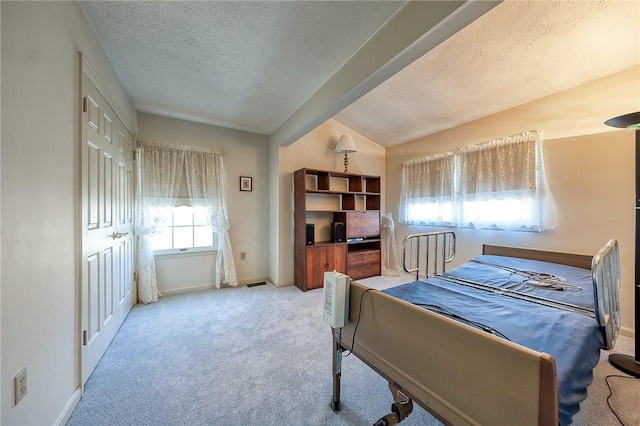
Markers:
505,338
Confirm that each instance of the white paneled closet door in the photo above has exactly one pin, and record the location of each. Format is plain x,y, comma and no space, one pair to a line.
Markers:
107,291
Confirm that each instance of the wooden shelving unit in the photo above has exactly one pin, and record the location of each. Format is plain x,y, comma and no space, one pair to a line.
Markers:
323,197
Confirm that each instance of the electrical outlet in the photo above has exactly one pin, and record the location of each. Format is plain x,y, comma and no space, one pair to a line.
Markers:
243,255
20,385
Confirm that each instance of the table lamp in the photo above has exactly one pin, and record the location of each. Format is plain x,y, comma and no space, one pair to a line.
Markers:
346,145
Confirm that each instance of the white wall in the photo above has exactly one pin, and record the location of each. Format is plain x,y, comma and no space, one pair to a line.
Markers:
590,168
274,213
0,228
316,151
39,193
244,154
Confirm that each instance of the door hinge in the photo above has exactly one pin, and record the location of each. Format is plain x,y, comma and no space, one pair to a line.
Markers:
84,337
84,104
135,277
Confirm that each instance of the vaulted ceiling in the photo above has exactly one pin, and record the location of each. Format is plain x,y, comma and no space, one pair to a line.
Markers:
392,71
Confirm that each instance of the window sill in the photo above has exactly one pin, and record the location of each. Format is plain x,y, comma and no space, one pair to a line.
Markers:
169,254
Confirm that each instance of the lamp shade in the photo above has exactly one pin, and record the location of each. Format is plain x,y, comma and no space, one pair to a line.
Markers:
629,121
345,144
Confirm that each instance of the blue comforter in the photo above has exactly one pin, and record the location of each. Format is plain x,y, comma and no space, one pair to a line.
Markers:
573,339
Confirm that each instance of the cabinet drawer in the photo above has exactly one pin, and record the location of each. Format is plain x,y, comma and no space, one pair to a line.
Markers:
372,256
363,264
363,270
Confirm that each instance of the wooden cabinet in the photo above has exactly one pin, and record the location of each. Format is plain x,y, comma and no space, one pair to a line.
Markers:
321,258
323,198
359,224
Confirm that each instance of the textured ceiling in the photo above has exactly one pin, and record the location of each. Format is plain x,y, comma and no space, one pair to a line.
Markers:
252,65
243,65
515,53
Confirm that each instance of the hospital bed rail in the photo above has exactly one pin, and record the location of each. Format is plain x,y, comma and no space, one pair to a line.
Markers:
427,254
605,270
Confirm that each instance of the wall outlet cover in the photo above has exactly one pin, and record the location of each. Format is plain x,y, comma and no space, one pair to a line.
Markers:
20,385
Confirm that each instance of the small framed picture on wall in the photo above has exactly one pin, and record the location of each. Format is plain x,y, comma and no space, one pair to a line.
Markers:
246,183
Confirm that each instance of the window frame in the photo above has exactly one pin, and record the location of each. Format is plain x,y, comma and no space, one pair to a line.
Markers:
181,202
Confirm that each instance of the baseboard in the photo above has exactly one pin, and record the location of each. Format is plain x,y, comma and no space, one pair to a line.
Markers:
627,332
210,286
184,290
68,409
255,280
280,284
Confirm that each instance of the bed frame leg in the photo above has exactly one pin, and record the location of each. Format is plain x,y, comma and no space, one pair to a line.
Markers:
401,407
336,370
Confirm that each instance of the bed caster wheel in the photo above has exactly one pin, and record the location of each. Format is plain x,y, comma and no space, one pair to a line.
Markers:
335,405
388,420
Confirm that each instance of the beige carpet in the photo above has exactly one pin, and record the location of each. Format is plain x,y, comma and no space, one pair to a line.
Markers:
625,394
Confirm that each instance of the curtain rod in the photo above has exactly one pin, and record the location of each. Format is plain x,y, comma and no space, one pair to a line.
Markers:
164,144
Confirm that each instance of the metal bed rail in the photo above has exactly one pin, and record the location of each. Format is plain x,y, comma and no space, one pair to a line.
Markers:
427,254
605,270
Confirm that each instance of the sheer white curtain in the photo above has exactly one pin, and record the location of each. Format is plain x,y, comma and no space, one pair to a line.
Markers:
428,191
205,182
500,184
159,173
503,184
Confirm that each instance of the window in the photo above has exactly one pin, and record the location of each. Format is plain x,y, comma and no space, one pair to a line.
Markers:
499,184
182,228
162,222
509,213
428,191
